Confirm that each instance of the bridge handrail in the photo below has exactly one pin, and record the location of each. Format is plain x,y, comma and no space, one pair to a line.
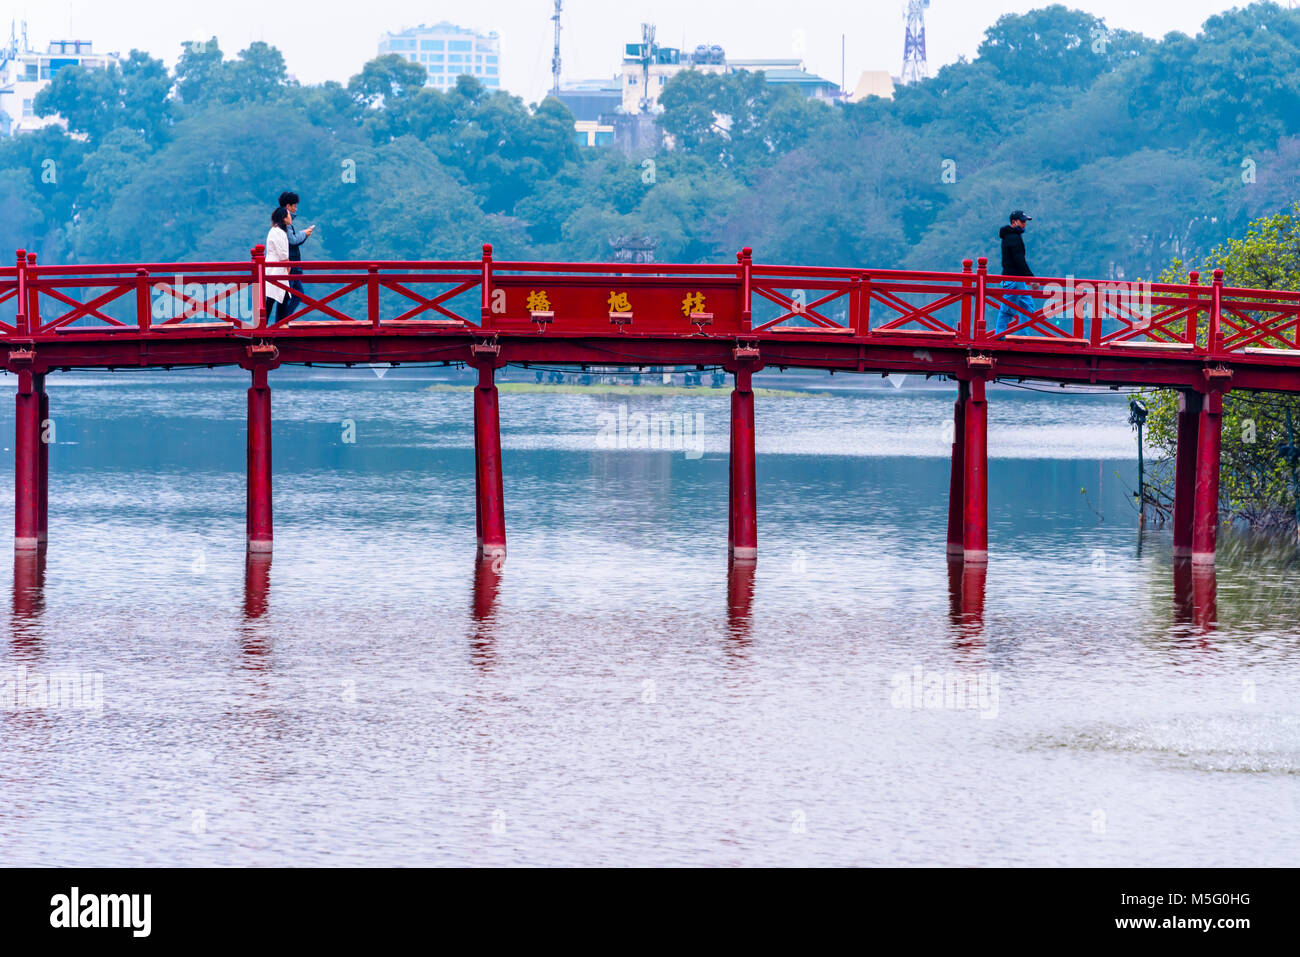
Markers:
163,269
1204,317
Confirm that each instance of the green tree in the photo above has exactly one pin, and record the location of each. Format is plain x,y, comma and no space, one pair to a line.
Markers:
1235,86
204,77
21,224
404,205
739,119
191,200
1257,487
199,72
1056,46
856,200
133,95
52,164
501,149
386,78
258,73
116,160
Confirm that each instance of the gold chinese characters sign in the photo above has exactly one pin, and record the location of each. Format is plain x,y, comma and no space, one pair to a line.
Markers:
582,304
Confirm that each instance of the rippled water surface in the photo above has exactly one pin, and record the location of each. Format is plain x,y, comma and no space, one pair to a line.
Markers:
614,694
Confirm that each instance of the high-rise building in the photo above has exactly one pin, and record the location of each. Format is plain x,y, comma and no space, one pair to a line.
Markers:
647,68
448,51
620,111
24,72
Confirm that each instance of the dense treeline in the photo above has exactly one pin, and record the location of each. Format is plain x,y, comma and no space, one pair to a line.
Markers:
1130,152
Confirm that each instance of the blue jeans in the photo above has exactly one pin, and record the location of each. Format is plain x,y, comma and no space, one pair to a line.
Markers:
1006,316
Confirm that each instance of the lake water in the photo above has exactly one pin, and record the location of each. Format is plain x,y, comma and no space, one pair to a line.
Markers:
613,694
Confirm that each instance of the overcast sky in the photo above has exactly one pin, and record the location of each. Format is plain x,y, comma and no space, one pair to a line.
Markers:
331,39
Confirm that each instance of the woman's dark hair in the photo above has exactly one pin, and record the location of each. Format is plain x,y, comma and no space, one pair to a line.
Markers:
288,199
278,216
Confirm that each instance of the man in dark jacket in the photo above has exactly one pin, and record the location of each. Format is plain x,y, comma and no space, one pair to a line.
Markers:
1014,264
297,237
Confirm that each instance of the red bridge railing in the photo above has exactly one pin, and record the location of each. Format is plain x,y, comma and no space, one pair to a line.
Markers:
1205,321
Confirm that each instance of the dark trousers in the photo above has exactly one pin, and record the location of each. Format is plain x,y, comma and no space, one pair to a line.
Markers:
296,286
281,309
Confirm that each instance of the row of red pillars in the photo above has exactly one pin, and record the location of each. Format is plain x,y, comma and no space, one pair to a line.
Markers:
33,432
1196,481
1196,494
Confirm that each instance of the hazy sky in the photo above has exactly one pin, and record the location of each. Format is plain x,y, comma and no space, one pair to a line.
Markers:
330,39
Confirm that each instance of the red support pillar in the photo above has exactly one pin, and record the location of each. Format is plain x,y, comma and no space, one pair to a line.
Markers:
43,465
259,461
1205,523
742,527
1189,419
957,474
488,483
30,464
975,511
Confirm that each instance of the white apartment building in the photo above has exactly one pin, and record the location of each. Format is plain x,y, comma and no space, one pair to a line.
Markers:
648,68
448,51
25,72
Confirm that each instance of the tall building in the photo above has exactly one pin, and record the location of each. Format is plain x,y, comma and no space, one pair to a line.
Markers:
448,51
24,72
620,111
647,68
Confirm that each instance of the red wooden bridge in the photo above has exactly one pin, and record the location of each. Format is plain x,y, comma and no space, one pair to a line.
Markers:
1202,338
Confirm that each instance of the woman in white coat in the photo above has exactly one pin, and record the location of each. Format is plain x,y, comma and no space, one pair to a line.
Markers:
277,250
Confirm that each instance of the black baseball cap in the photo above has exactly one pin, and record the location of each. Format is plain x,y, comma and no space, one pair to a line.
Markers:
1020,214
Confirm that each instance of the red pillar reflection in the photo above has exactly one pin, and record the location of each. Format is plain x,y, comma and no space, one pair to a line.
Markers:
1183,585
1205,598
28,600
1196,596
257,583
954,591
966,583
740,599
487,584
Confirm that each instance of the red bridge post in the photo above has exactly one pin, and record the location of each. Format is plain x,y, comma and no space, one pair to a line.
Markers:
258,256
485,282
259,449
746,260
489,492
31,467
1205,523
1189,420
742,525
975,532
957,474
43,463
